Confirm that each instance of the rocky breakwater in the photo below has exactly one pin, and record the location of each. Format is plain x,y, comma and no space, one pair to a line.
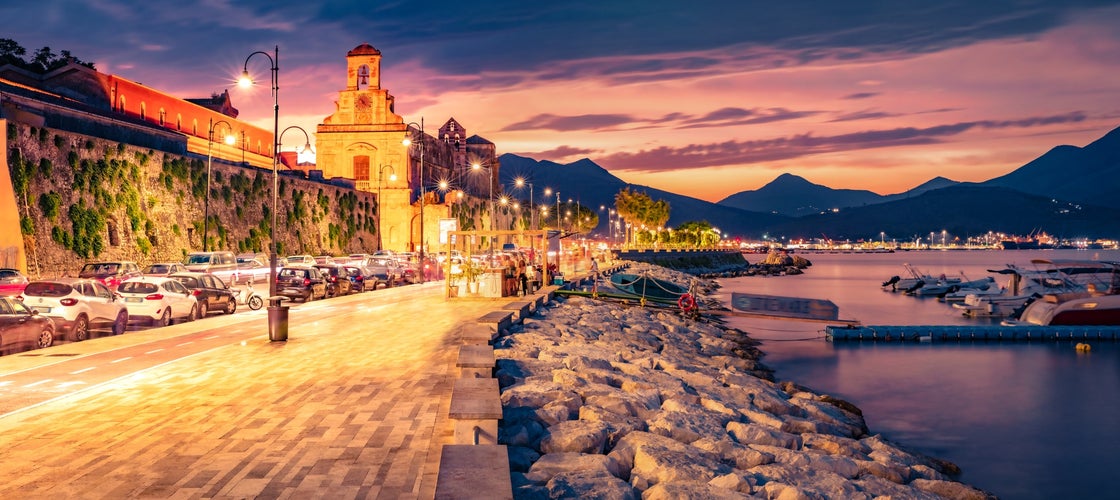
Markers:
602,400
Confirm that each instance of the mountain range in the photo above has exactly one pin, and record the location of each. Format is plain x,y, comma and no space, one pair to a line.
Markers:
1069,192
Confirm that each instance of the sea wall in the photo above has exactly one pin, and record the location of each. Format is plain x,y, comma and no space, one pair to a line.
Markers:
699,262
603,400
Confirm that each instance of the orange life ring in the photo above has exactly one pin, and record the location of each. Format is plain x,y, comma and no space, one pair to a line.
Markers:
686,302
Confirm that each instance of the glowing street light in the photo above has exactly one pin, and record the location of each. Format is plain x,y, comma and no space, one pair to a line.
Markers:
245,81
407,142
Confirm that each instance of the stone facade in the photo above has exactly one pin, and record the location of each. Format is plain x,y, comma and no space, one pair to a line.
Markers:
364,140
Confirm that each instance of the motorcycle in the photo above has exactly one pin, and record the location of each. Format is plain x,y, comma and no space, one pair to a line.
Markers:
246,296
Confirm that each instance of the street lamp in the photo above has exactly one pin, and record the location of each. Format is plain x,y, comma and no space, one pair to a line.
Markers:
476,167
521,182
407,142
392,178
209,162
245,81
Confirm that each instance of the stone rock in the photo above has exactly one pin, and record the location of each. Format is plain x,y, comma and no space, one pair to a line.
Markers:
893,473
575,436
654,459
878,487
847,423
536,394
950,489
590,484
841,466
525,433
775,481
555,463
688,425
835,445
617,425
741,456
521,458
746,433
691,491
734,481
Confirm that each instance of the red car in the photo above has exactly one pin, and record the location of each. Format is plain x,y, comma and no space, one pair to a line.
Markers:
12,282
110,274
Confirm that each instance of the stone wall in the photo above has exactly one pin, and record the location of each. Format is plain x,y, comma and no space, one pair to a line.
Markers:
83,198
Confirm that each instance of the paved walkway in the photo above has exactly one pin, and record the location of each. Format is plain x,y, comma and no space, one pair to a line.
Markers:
353,405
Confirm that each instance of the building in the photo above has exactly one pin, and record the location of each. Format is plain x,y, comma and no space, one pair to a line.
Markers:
364,140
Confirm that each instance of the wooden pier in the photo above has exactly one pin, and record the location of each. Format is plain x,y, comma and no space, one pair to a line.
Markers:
935,333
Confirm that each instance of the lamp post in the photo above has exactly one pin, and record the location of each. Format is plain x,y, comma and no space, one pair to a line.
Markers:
246,80
209,163
521,182
476,167
407,141
392,178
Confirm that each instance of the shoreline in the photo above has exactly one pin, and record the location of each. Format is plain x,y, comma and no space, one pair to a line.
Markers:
607,400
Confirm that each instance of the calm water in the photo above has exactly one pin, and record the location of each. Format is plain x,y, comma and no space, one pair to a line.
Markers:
1022,420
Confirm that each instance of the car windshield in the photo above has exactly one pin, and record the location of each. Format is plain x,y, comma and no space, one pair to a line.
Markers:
47,289
157,269
137,287
198,259
288,273
99,269
9,273
187,281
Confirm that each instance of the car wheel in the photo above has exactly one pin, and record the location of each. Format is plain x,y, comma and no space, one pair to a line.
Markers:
231,306
166,318
81,329
46,337
202,310
194,314
121,324
255,302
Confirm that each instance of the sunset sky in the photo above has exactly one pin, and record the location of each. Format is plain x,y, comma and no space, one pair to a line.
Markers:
704,99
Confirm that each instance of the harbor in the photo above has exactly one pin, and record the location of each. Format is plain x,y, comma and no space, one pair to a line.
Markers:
953,333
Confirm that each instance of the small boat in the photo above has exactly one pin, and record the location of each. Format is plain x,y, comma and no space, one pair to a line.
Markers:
1076,308
1058,278
917,280
647,287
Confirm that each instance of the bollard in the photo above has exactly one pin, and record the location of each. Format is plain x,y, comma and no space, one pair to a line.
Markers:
277,319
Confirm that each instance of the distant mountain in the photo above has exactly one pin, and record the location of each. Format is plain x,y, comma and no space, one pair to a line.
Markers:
961,211
593,186
1089,175
934,183
794,196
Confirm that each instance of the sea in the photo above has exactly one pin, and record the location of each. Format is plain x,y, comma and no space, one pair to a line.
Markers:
1023,420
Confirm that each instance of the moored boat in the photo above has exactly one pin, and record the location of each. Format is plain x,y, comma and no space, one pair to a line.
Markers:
647,287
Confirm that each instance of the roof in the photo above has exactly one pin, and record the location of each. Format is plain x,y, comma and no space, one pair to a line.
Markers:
364,49
476,139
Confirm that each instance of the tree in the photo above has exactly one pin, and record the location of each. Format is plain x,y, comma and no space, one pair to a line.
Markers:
639,209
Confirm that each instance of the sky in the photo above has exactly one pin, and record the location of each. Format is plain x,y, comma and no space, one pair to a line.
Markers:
704,99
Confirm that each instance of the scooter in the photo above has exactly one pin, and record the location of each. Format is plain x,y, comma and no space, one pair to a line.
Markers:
246,296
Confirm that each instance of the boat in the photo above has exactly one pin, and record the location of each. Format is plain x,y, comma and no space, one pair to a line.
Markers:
1097,304
917,279
1024,286
647,287
943,288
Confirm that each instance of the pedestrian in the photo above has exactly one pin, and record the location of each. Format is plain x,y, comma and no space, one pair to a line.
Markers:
595,268
522,277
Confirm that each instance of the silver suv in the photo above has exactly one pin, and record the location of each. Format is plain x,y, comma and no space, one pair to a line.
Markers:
220,264
77,306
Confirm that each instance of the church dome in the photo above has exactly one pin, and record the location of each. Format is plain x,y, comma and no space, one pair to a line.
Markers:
364,49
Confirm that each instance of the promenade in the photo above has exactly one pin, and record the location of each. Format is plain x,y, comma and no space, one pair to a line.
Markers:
353,405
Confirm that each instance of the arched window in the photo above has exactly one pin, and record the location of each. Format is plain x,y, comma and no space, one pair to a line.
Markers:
162,114
194,127
143,109
361,168
179,121
121,109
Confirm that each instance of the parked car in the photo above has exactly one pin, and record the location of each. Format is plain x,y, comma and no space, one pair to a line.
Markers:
110,274
210,291
356,258
381,271
11,282
252,270
357,278
22,327
157,300
77,306
221,264
164,269
409,267
301,282
338,281
300,260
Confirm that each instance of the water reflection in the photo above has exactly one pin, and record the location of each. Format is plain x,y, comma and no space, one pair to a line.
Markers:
1023,420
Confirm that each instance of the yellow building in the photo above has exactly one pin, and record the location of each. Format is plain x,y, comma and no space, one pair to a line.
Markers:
364,140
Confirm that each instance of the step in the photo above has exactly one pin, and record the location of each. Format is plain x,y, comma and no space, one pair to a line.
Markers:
476,407
475,361
469,472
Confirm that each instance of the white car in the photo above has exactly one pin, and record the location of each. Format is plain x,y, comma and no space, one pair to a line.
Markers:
158,300
77,305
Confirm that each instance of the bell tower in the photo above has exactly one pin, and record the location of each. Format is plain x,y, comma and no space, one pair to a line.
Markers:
363,68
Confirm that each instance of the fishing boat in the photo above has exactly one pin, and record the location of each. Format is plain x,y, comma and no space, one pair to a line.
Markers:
647,287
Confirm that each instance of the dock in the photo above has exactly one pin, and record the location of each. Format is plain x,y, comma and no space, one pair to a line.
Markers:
934,333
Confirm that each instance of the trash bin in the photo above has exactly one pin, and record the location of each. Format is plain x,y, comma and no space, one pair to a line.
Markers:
277,319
